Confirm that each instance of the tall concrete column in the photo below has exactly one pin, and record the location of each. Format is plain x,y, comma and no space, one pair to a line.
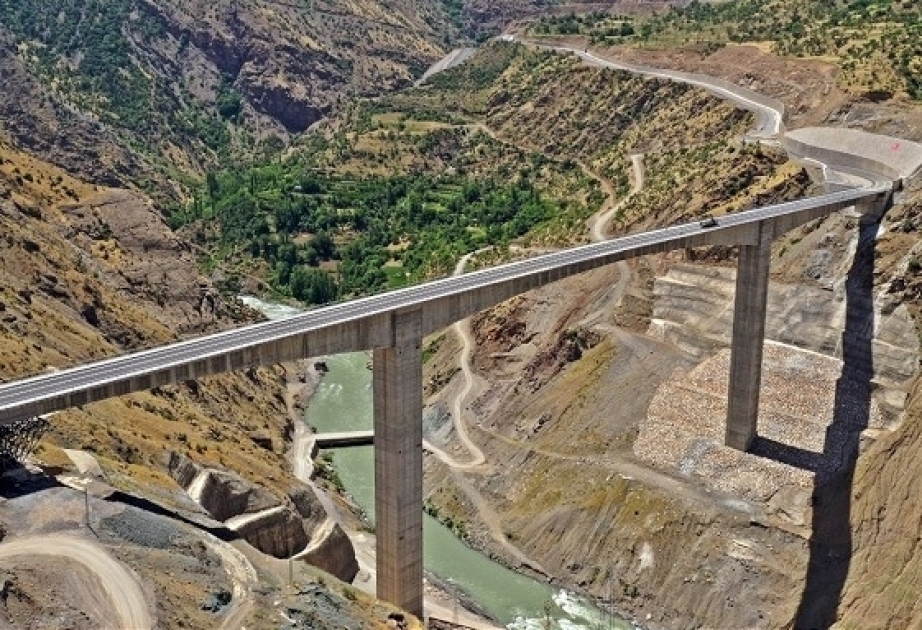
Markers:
748,340
398,391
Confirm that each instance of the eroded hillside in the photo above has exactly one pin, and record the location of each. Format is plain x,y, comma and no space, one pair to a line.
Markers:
564,381
91,272
181,85
562,394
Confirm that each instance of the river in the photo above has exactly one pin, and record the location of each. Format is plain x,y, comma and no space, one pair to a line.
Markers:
342,402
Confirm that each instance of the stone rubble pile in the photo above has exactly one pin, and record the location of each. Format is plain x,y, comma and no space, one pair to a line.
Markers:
802,394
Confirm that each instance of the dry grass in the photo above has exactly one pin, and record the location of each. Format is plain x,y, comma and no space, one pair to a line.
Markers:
37,183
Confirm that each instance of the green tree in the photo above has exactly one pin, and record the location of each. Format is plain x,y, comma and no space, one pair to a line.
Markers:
313,286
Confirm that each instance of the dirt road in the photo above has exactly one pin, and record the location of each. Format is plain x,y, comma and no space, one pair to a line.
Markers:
463,330
115,582
244,579
602,219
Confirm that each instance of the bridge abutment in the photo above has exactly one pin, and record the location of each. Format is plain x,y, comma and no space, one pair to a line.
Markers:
398,430
748,339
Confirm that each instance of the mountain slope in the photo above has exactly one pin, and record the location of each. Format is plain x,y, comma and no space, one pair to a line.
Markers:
183,84
91,272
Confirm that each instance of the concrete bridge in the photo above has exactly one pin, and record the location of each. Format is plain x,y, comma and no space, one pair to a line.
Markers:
338,439
393,325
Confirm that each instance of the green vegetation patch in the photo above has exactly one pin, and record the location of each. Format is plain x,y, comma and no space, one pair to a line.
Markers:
877,42
98,55
325,236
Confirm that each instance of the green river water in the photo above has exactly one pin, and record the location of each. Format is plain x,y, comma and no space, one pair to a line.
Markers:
342,402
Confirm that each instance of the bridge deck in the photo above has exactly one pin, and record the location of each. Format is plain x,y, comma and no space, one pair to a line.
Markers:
368,323
344,438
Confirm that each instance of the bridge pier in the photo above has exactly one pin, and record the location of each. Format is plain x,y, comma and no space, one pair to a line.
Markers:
748,339
398,430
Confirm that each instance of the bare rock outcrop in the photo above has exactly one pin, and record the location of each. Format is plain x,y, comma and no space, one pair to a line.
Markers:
885,508
332,552
182,469
267,84
308,505
330,547
141,256
226,495
296,526
278,531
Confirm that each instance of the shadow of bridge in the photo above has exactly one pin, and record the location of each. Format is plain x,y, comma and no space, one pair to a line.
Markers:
834,468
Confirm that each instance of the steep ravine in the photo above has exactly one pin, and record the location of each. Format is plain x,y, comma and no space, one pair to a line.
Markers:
666,544
558,424
88,273
579,504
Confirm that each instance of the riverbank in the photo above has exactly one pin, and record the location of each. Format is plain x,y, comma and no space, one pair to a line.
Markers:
343,402
459,578
441,599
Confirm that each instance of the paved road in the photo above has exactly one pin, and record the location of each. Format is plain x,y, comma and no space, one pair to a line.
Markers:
15,398
452,59
18,397
118,583
769,116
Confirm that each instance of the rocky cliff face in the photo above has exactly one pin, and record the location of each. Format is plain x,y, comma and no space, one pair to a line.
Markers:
165,86
161,268
295,525
884,570
89,254
40,122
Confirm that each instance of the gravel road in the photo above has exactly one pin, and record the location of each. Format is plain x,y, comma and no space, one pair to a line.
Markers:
116,582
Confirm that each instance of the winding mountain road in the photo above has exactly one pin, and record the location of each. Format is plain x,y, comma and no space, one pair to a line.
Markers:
604,218
769,113
115,582
462,329
769,126
113,376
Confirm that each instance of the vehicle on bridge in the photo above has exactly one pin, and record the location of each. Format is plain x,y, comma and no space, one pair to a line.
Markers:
708,221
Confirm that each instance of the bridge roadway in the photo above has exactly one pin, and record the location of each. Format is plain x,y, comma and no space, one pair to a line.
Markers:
364,323
393,325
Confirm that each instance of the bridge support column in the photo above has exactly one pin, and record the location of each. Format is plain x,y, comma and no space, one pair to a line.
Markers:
748,340
398,391
872,210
